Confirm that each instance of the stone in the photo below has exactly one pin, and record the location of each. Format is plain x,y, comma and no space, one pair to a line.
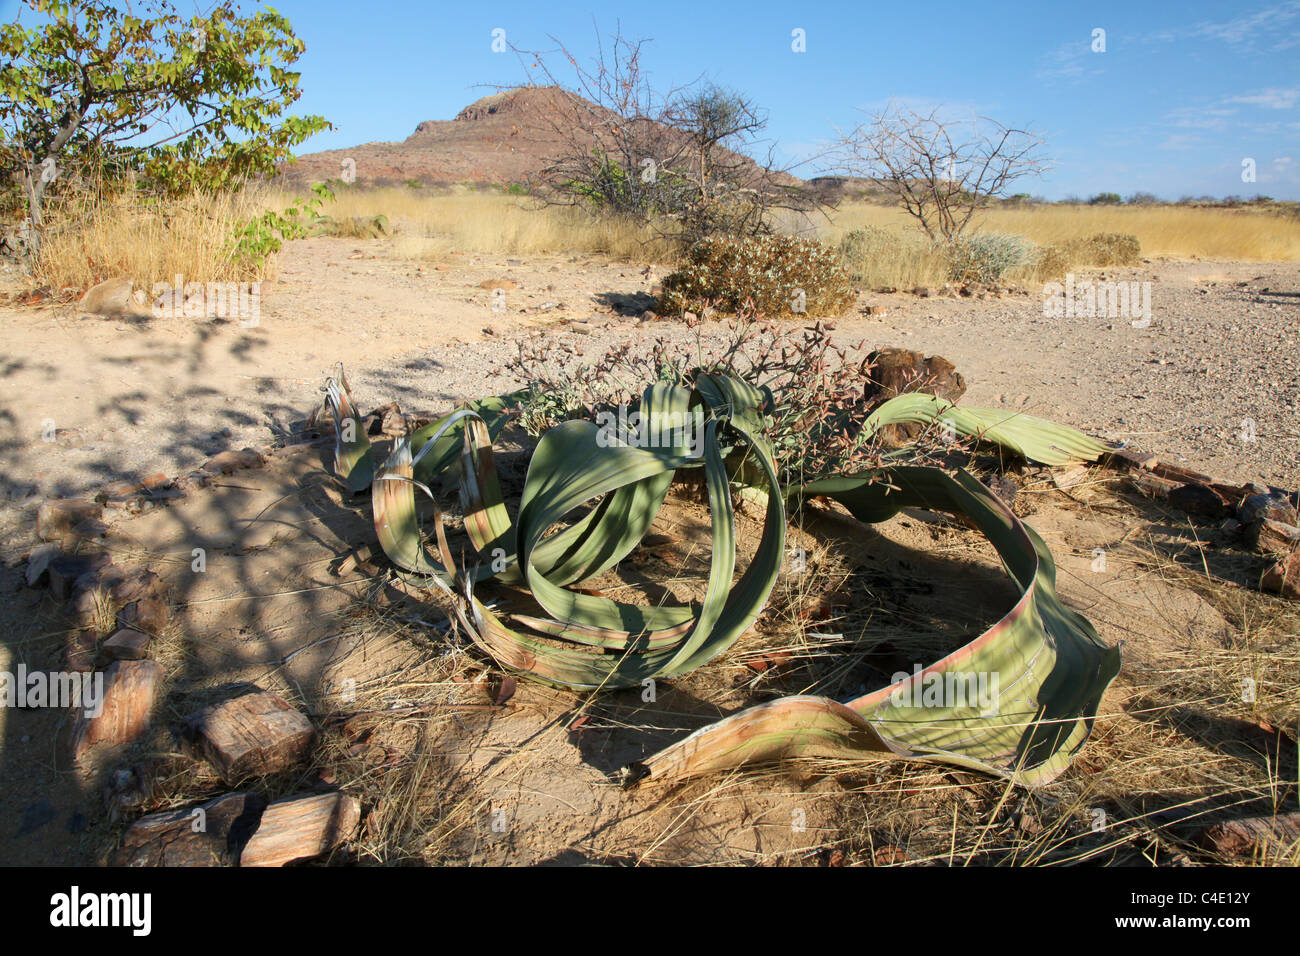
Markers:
144,614
1071,477
59,517
229,462
896,371
130,691
126,645
1272,537
211,834
1198,499
1274,505
300,828
68,571
1284,577
38,564
374,422
110,297
1252,835
1153,486
254,734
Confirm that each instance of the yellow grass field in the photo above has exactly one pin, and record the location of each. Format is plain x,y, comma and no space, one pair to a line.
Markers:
1247,235
192,236
428,225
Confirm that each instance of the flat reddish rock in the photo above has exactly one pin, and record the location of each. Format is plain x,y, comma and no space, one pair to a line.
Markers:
144,614
126,645
59,517
123,489
299,828
1249,834
65,570
211,834
1272,537
1284,577
256,733
130,690
232,461
1200,499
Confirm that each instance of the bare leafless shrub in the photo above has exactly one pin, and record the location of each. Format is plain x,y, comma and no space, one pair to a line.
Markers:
940,171
675,159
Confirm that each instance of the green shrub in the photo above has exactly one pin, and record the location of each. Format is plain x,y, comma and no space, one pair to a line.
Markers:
983,259
774,275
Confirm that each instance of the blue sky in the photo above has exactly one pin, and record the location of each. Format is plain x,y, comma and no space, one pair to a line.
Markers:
1182,94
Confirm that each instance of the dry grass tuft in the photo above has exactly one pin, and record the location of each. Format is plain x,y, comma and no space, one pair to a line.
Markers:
93,237
428,225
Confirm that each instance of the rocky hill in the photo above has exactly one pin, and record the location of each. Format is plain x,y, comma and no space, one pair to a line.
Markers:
503,138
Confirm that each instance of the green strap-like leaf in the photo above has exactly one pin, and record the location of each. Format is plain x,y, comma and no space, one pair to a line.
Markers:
354,461
1050,667
1043,667
1032,438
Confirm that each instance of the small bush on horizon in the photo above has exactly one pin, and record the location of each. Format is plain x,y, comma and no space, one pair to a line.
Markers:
985,258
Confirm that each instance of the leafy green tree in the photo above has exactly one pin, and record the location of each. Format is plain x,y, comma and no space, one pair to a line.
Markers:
187,102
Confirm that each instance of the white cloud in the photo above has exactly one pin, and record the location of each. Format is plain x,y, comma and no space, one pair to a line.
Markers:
1070,61
1270,21
1199,117
1273,98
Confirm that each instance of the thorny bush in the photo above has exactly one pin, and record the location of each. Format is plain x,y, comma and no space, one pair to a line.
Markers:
821,392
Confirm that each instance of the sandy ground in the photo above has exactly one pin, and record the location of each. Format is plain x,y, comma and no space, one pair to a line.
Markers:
132,397
1214,379
534,781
